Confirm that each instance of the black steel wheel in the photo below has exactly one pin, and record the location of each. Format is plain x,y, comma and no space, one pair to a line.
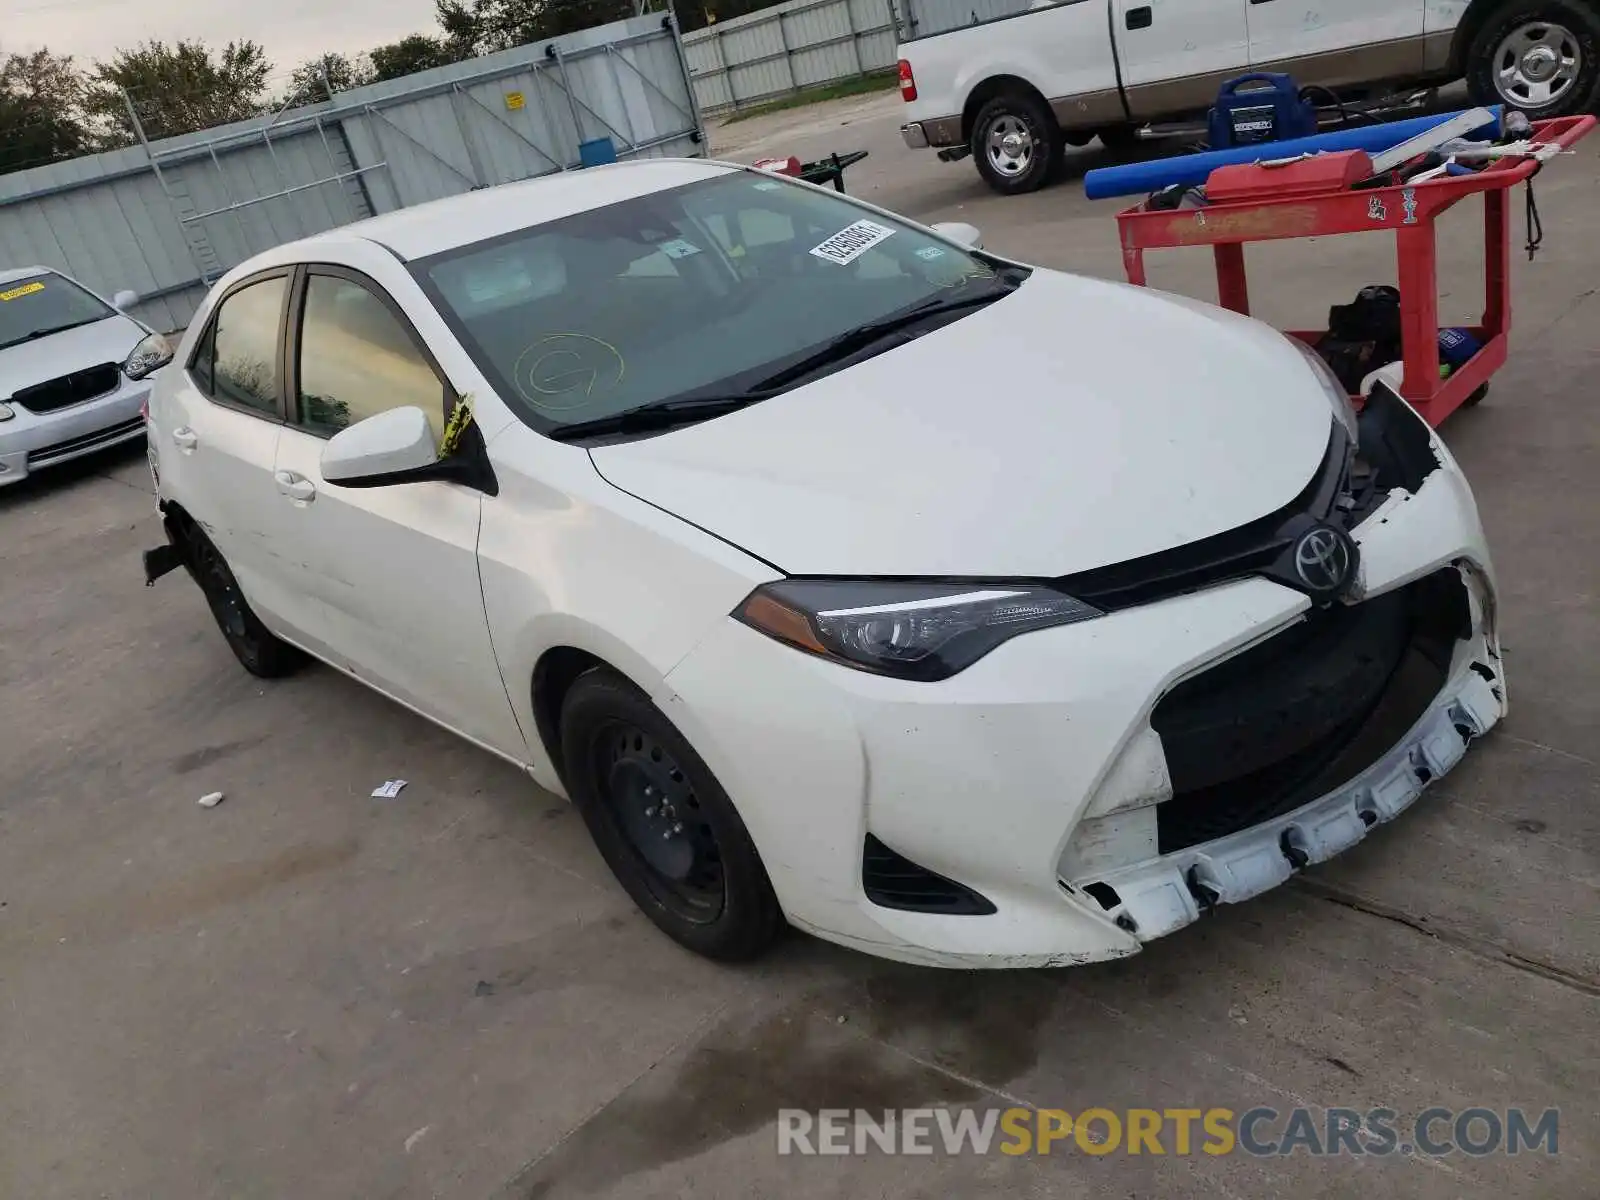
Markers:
663,823
257,650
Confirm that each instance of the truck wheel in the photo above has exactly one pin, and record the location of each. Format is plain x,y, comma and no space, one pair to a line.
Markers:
1539,56
1016,143
1119,139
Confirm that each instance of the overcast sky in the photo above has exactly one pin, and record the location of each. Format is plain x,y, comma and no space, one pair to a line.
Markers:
291,30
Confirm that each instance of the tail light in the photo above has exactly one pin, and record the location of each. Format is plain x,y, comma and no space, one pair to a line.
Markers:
908,82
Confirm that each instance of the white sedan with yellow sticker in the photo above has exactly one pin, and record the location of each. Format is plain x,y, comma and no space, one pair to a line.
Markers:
75,371
844,574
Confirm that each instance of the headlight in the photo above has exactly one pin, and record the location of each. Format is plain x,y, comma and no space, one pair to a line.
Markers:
154,351
922,631
6,412
1343,410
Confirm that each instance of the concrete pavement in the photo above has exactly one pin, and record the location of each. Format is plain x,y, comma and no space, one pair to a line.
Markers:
308,992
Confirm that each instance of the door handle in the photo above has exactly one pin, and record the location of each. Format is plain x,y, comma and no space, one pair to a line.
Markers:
1141,17
1260,1
185,438
297,487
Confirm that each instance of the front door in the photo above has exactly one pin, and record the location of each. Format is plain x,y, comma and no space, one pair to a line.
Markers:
388,575
1349,42
1175,54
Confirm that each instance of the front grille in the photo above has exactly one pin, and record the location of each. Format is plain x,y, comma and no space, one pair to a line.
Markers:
1306,711
67,390
894,881
100,437
1258,548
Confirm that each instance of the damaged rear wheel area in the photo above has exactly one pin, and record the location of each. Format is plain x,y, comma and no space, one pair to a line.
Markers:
253,644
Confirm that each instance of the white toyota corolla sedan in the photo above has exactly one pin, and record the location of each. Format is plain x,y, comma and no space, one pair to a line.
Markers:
843,574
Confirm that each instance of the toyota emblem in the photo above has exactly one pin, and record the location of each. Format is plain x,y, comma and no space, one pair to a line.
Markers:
1322,559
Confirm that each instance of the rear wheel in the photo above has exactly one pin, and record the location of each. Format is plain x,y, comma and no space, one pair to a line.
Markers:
1541,57
257,650
1016,143
663,823
1120,139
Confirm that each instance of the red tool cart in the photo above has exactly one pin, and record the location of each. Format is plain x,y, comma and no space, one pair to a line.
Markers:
1409,210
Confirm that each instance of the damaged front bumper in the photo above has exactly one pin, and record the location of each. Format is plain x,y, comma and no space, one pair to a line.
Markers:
1037,780
1152,899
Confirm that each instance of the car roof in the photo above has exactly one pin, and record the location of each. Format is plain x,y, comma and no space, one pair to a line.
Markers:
439,225
10,273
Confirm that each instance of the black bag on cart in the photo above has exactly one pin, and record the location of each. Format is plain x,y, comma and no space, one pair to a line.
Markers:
1362,335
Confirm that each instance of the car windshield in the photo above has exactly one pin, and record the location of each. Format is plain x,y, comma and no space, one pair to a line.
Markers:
38,305
703,289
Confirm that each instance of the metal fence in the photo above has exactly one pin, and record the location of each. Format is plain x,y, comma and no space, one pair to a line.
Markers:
791,46
166,218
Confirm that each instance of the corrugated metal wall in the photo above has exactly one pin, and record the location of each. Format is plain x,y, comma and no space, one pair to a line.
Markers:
790,46
166,223
928,17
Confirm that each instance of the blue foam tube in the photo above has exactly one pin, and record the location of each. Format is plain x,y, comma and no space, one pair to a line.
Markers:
1191,169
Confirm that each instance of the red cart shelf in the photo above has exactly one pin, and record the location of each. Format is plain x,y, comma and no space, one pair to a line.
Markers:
1407,210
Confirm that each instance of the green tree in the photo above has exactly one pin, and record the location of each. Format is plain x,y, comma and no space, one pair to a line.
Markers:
177,88
484,26
409,55
340,71
40,110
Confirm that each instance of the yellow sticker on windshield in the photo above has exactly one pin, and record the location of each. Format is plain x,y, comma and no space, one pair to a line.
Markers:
26,289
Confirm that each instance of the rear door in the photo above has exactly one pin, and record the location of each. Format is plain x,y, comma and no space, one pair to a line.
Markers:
388,576
1333,44
217,443
1174,54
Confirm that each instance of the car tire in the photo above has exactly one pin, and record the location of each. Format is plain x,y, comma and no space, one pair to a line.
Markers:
1016,143
252,643
663,823
1519,58
1120,140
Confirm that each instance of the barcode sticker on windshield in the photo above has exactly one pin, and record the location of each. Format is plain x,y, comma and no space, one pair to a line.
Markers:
26,289
851,242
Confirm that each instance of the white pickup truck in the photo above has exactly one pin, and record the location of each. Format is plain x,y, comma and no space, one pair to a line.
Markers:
1015,89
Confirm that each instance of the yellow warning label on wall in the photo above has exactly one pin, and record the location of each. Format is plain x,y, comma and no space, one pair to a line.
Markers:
26,289
515,100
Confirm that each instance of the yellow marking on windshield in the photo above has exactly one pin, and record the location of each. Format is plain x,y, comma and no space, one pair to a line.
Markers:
26,289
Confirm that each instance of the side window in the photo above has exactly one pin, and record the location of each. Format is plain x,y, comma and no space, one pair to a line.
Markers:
357,360
243,344
200,364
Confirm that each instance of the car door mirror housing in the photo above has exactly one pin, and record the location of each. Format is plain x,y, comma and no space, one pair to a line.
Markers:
960,232
124,300
389,447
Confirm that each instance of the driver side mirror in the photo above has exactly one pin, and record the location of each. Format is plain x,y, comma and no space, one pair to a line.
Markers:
960,232
124,300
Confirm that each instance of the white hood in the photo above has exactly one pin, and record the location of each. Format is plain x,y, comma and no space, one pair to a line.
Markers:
1071,425
28,363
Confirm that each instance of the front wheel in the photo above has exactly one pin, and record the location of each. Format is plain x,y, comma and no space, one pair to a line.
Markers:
1541,57
662,822
1016,143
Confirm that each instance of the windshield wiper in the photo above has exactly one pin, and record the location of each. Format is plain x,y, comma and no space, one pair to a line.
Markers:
42,333
853,341
662,415
669,413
